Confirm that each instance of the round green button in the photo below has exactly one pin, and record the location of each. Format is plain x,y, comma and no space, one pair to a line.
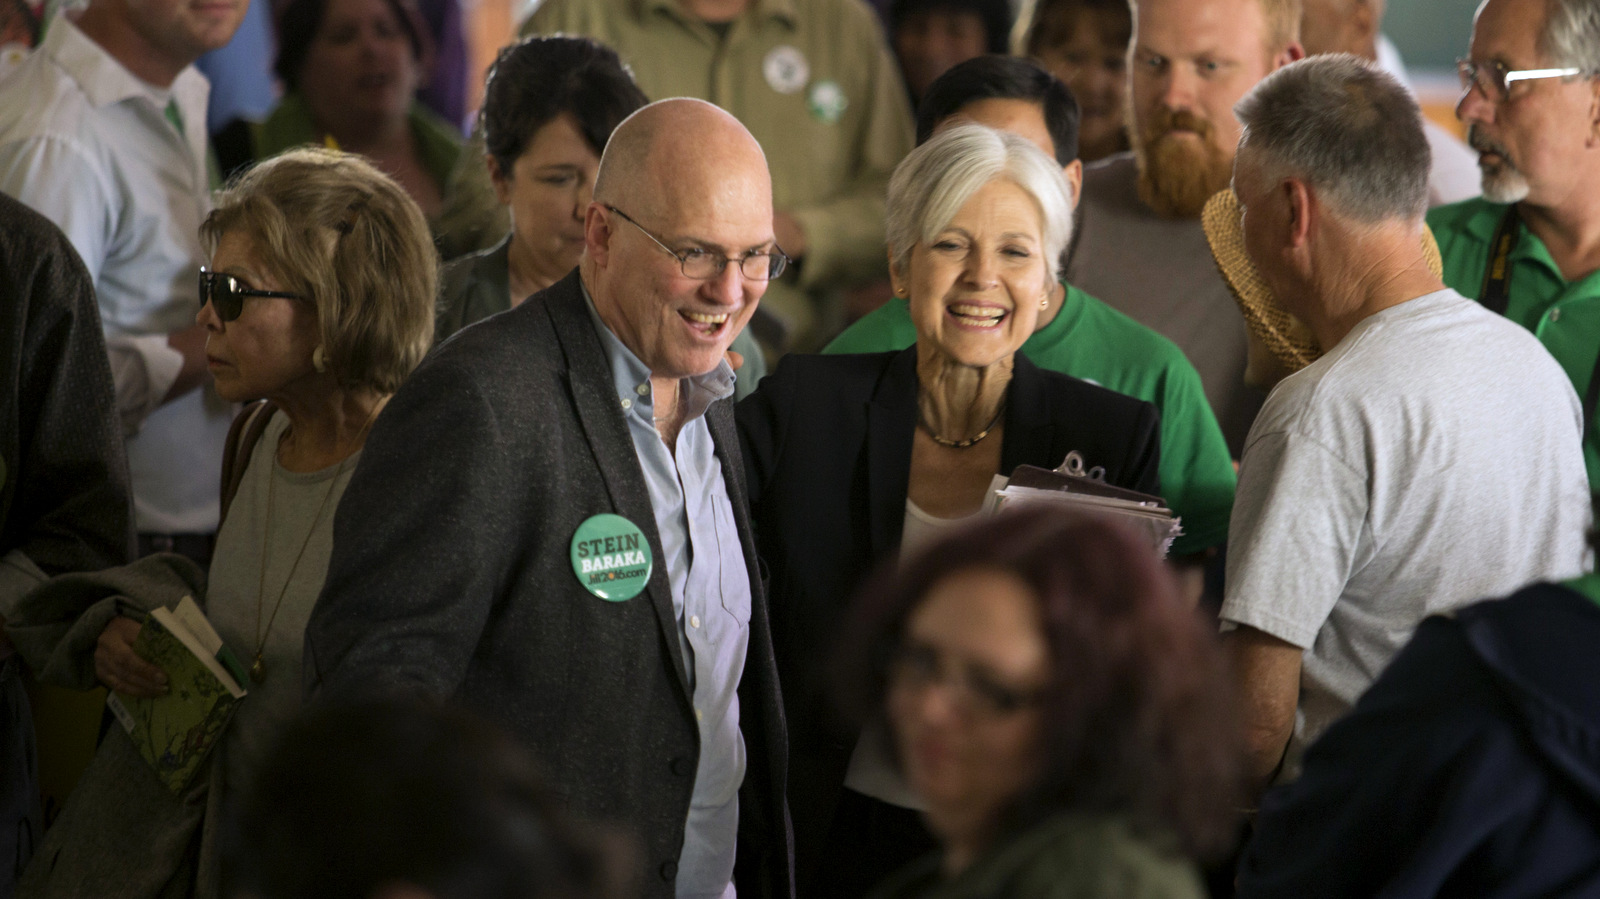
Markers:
611,557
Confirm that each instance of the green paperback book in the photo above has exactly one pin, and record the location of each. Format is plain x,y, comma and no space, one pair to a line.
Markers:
174,732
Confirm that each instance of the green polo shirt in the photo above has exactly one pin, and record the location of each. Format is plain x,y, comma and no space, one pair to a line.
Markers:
1564,315
1089,340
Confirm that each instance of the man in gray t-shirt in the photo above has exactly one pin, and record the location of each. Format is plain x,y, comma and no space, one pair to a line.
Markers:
1430,458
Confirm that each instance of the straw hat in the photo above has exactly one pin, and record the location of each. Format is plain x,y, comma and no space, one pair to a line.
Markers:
1286,337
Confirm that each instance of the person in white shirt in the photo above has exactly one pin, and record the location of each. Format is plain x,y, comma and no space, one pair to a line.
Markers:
1428,459
102,130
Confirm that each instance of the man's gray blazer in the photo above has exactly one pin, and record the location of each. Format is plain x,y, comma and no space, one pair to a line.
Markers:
451,575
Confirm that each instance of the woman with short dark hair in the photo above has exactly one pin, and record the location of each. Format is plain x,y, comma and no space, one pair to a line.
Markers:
1060,709
548,110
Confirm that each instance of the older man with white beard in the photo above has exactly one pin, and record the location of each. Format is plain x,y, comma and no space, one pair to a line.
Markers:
1141,248
1529,248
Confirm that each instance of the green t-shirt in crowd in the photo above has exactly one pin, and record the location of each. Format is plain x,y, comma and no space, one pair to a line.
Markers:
1090,340
1564,315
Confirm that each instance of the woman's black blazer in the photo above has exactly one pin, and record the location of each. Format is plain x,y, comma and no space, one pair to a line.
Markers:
827,448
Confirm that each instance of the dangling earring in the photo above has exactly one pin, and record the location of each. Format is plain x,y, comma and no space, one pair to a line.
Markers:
319,359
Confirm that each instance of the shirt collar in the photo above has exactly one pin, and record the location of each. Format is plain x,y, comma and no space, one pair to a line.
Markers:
770,9
1483,224
1486,219
630,377
105,81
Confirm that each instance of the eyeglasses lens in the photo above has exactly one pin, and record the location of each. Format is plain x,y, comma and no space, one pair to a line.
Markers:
1489,77
755,267
918,668
223,293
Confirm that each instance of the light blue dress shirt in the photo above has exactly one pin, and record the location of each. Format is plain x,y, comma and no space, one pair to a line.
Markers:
710,581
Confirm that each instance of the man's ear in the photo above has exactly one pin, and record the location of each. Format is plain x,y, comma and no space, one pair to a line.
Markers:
500,180
1365,17
1299,197
597,234
1292,53
1594,111
1073,172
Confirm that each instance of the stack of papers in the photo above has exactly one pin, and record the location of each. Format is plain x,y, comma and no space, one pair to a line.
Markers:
1070,487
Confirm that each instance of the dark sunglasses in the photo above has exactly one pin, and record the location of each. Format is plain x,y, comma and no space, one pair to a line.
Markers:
226,294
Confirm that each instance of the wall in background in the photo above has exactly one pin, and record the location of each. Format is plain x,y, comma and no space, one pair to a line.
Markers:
1430,34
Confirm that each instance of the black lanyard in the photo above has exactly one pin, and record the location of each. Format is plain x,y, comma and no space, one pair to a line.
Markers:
1497,276
1496,294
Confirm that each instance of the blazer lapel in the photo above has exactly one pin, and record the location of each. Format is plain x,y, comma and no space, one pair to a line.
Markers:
588,373
1029,426
891,425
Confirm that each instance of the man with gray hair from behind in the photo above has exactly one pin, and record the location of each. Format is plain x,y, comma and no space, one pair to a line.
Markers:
1426,459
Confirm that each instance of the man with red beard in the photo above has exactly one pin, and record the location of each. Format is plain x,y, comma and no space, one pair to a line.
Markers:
1529,248
1140,247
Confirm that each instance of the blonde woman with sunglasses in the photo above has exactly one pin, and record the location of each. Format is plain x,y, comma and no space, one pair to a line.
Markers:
319,298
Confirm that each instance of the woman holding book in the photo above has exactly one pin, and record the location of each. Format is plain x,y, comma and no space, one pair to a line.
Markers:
319,299
849,458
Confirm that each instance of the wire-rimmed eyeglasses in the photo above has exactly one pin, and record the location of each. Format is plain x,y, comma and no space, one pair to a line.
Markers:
703,265
1495,80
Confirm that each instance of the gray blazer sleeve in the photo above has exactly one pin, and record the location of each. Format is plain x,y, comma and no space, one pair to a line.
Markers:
418,549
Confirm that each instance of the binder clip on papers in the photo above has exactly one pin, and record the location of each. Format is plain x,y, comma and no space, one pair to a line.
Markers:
1074,485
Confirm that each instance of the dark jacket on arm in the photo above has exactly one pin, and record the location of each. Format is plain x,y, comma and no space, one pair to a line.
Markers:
1471,767
827,444
451,574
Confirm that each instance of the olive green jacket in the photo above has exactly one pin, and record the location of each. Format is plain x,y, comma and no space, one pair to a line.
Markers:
290,125
1070,856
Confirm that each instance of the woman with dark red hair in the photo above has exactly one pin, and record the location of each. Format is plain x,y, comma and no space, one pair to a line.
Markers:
1060,710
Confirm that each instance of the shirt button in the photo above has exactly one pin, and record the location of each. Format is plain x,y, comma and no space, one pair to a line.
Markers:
1555,315
680,767
627,404
643,389
669,870
699,715
694,620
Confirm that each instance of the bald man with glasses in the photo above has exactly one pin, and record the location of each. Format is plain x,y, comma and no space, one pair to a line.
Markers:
549,523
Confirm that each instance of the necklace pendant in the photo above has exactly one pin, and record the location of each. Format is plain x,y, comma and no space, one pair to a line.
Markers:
258,669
